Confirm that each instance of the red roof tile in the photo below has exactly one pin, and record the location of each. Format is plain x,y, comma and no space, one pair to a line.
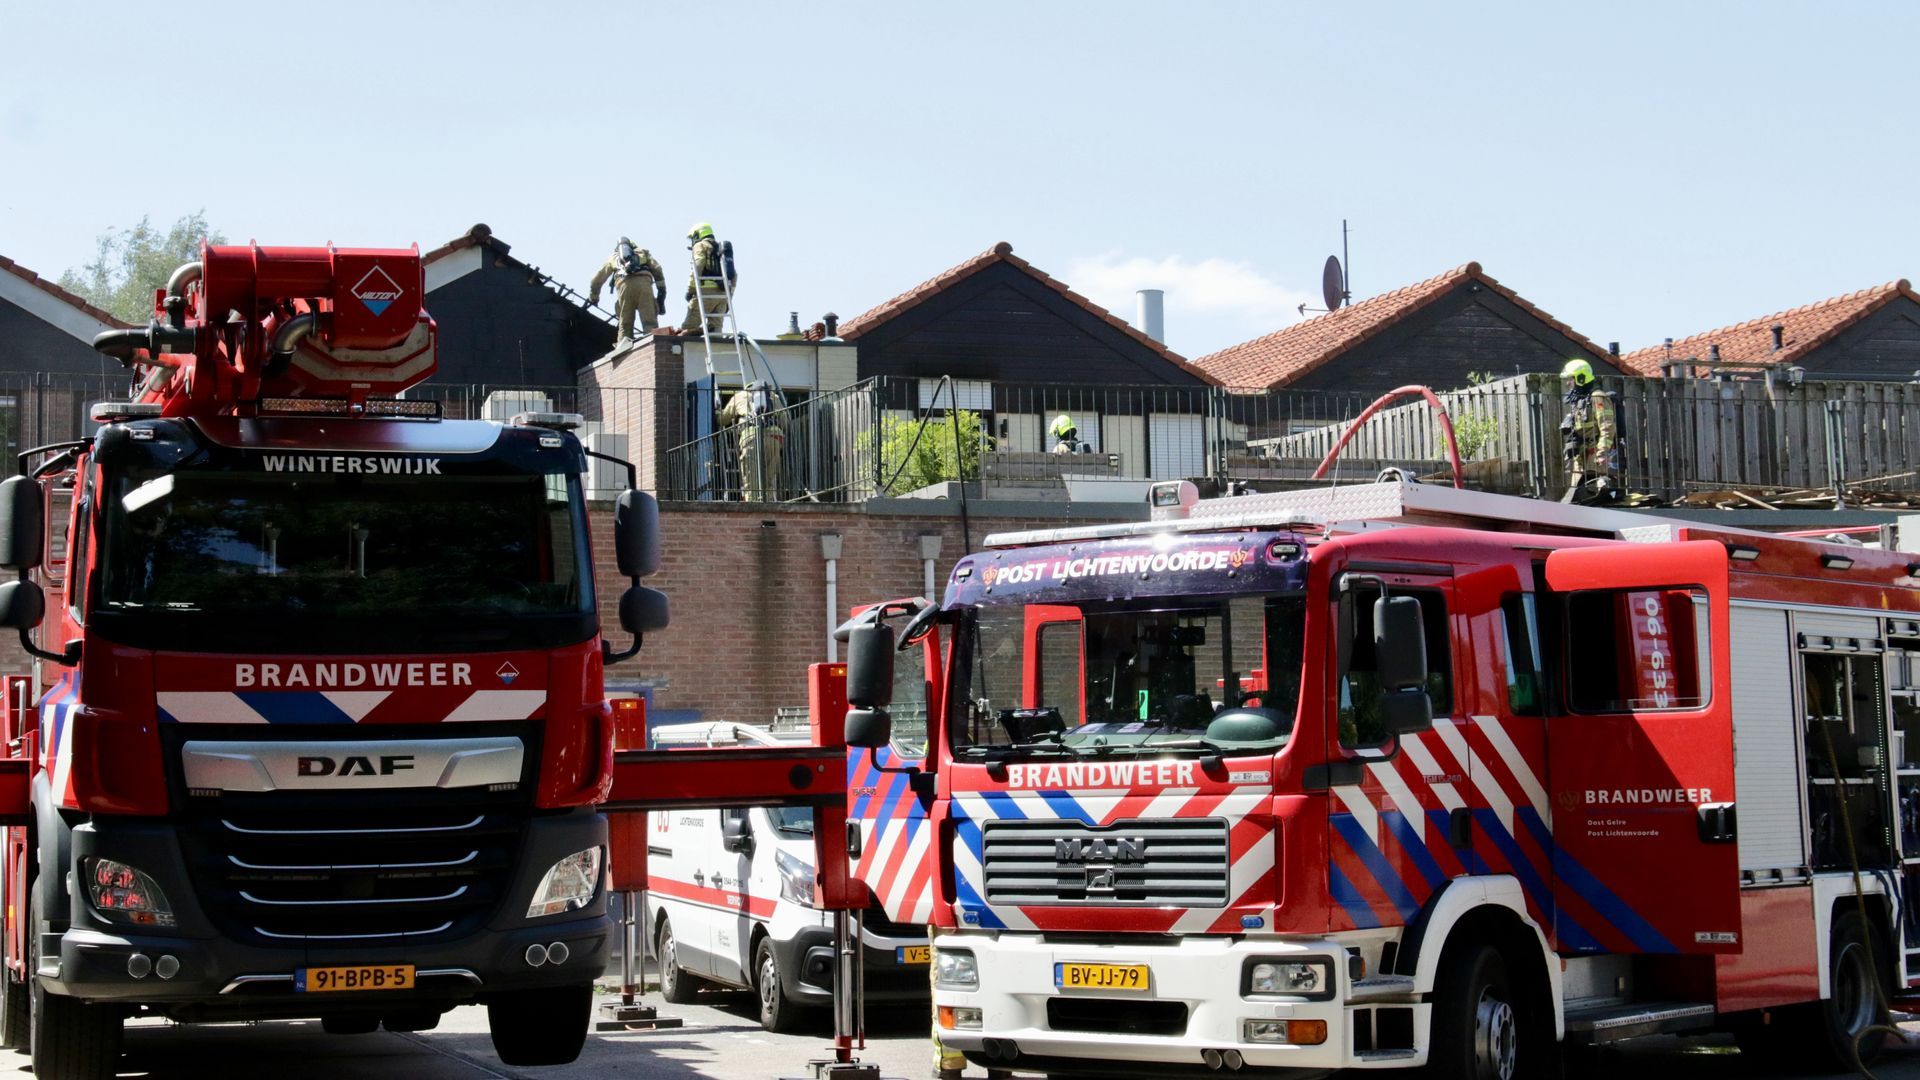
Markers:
474,237
1802,330
1002,252
1285,355
59,293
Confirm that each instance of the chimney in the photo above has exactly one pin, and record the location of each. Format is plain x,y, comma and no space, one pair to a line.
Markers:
1779,336
793,323
832,323
1713,354
1152,320
1613,349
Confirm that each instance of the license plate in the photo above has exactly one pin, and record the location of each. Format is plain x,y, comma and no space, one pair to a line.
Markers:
1100,976
913,954
359,977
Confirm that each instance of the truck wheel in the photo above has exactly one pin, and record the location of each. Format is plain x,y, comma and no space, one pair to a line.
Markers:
1856,1002
777,1014
70,1039
676,985
540,1027
1476,1032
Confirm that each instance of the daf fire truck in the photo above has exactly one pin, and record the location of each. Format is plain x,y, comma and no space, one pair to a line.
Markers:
317,727
1397,775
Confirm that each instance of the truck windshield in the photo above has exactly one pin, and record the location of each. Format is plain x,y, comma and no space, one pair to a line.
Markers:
1097,678
212,559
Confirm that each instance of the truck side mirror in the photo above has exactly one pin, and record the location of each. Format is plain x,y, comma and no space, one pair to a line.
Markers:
643,610
1400,643
22,604
23,530
636,534
735,836
870,651
869,729
1406,712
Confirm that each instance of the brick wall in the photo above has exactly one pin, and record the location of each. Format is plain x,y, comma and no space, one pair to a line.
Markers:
747,587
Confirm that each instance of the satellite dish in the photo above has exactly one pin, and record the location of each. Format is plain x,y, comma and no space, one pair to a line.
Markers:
1333,284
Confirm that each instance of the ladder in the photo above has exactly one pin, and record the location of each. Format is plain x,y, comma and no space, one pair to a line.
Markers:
750,363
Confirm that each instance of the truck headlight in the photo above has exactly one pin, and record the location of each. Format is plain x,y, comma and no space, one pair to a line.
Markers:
1295,978
954,969
796,879
570,885
125,894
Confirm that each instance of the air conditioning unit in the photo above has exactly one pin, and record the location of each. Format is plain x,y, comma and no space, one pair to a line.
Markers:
504,405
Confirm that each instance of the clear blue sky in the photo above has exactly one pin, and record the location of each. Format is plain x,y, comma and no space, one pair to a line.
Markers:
1638,169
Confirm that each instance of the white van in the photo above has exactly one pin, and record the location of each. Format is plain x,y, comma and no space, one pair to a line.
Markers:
730,903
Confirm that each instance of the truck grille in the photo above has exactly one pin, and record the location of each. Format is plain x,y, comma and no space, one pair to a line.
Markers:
347,874
1172,863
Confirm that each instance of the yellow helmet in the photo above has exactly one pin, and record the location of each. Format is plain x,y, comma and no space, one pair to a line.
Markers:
1578,370
1063,424
702,231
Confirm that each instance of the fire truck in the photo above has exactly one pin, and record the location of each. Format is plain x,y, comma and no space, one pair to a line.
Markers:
317,727
1396,775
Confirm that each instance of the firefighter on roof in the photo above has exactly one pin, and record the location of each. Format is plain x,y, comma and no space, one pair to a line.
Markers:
712,282
1066,435
639,287
756,426
1589,437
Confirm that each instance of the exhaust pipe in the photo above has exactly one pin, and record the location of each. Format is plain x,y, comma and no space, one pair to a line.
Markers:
1213,1058
1232,1060
288,336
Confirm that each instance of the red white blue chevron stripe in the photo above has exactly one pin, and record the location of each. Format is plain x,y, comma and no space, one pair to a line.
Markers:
894,836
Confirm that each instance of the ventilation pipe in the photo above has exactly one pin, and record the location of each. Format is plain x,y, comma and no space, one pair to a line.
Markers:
1779,336
177,283
929,551
1152,318
830,551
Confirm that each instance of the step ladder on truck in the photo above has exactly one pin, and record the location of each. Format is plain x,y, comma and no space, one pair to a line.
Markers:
1396,775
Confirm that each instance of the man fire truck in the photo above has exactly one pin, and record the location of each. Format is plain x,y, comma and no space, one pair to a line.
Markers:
318,726
1395,775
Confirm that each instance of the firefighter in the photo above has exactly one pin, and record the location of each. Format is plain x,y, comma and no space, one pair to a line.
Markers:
639,287
751,415
712,261
1066,435
1588,437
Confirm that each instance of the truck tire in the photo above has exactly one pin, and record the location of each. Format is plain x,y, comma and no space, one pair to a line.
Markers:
676,985
1476,1028
1856,1004
71,1040
540,1027
777,1014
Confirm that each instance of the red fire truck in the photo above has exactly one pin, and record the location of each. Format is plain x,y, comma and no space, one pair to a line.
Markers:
317,727
1395,775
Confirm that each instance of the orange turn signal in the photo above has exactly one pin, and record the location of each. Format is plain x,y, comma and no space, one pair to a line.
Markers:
1306,1032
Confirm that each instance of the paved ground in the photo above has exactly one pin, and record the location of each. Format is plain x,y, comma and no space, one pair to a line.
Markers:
720,1041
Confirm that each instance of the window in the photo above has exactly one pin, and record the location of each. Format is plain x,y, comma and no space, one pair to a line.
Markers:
909,708
1360,720
79,549
1520,645
1635,650
1059,669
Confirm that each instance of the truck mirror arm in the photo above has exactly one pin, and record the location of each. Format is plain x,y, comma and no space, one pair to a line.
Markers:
66,659
607,655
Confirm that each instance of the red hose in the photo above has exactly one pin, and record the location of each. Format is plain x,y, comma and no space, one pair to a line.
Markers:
1440,410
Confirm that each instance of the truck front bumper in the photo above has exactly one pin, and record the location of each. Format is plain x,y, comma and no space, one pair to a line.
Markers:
807,961
1194,1006
215,975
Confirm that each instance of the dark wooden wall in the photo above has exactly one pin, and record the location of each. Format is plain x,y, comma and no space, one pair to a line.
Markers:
1883,347
30,343
1003,325
498,326
1471,329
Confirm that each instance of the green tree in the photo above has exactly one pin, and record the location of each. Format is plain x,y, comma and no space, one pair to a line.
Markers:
916,453
129,264
1473,430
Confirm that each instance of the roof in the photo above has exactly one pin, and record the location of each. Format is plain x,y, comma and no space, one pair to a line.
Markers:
1002,252
1285,355
70,299
1802,330
478,236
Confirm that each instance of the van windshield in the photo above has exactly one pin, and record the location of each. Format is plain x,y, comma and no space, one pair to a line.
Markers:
792,819
1104,678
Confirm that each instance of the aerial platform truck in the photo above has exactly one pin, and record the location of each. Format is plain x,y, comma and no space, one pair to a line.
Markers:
316,726
1396,775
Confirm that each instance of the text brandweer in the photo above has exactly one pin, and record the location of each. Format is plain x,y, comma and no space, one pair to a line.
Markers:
289,676
345,463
